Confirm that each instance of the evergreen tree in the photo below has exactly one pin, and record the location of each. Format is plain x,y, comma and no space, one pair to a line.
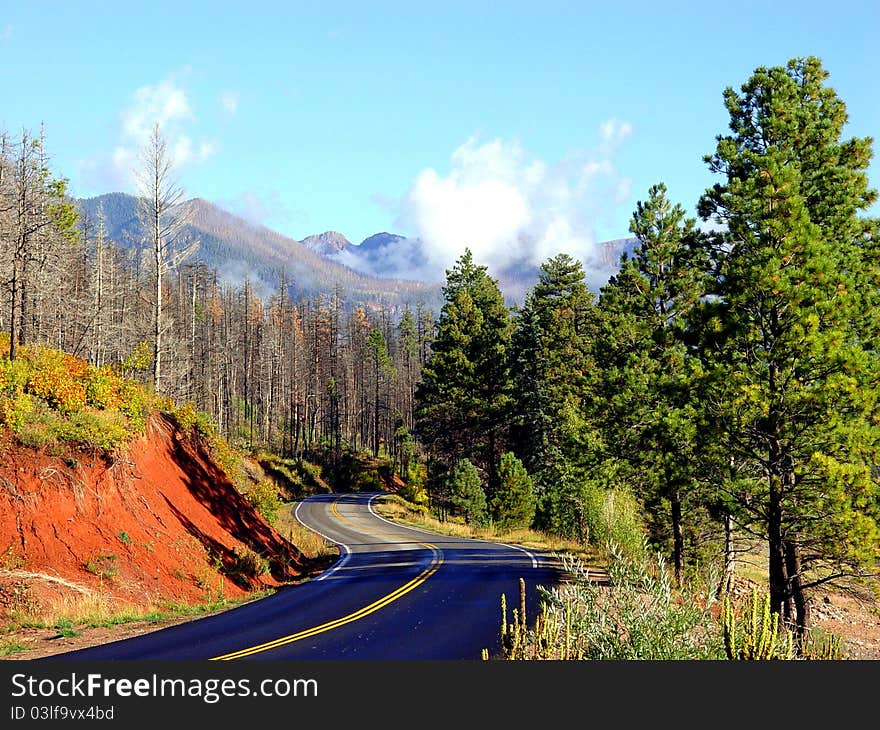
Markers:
554,376
463,401
513,504
651,419
466,492
791,334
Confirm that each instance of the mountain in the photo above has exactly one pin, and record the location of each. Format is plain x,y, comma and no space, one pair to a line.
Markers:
380,240
327,243
241,250
385,268
390,254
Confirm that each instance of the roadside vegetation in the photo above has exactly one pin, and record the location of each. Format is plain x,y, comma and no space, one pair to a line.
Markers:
75,617
714,403
50,400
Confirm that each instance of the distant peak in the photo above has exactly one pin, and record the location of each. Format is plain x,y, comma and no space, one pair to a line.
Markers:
380,240
326,243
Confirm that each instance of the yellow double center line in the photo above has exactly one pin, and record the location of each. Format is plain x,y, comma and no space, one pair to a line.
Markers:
436,562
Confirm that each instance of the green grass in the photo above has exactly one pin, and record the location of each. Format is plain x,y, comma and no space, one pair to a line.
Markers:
66,629
8,647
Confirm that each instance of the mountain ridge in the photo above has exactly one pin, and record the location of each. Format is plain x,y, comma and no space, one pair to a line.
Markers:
239,249
385,269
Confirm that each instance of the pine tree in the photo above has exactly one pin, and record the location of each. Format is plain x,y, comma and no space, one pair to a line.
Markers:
791,335
651,424
513,505
466,492
554,376
464,398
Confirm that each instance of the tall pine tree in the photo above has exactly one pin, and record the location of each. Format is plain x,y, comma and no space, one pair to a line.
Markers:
651,416
791,336
464,399
553,375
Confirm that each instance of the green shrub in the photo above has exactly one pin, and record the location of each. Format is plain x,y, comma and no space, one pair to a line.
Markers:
184,416
102,564
104,430
264,497
57,378
226,456
15,410
102,388
637,616
414,493
48,396
37,434
13,376
139,360
613,517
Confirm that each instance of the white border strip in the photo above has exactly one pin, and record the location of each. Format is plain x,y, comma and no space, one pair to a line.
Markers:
345,549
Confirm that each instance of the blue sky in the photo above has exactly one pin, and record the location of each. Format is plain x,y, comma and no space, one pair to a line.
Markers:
515,127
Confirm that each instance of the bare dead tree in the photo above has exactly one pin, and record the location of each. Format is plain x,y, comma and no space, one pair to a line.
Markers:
164,215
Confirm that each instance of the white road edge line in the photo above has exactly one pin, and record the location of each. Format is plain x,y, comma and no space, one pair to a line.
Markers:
346,551
532,556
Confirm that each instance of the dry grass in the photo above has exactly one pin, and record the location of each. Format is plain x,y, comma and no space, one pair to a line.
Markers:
76,609
102,609
79,621
395,508
309,543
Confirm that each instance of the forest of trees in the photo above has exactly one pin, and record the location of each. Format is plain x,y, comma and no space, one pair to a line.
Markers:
288,375
727,381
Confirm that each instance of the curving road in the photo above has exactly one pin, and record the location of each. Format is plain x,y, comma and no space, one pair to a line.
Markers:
396,592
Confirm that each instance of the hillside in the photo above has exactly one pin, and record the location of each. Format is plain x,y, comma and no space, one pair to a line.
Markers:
112,501
158,522
241,250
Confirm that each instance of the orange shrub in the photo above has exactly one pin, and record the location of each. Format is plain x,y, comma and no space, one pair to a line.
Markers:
58,378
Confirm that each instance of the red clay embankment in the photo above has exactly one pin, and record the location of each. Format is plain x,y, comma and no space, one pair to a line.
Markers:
158,523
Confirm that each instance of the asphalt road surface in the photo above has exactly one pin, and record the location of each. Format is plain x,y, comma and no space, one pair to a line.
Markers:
396,592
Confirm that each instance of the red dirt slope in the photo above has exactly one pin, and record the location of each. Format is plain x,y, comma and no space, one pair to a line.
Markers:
149,527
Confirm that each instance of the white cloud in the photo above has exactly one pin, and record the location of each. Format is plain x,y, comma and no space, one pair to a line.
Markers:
230,100
164,104
613,131
6,33
167,104
514,210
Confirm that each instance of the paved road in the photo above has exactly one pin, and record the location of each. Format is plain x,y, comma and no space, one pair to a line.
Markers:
395,593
